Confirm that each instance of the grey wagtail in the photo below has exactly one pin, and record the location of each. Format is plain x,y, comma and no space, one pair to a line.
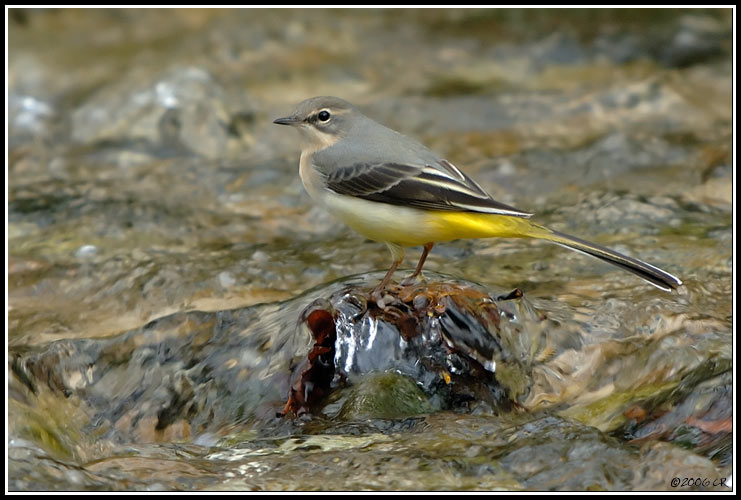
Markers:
391,188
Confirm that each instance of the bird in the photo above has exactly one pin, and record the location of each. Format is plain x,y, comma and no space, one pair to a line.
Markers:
391,188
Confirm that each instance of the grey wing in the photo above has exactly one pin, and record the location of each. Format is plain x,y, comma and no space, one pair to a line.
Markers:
440,187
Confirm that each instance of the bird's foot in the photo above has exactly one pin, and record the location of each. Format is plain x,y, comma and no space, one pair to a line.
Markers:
378,297
382,298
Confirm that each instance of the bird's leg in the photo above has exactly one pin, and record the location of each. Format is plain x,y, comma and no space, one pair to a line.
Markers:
385,280
398,253
425,253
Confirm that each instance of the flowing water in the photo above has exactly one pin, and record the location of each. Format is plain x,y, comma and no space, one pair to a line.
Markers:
162,252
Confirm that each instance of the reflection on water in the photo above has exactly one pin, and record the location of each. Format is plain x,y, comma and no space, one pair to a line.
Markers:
162,249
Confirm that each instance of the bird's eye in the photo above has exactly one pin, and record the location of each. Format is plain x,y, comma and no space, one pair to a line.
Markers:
323,116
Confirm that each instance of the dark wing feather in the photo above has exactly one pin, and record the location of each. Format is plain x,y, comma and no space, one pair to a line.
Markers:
442,187
363,179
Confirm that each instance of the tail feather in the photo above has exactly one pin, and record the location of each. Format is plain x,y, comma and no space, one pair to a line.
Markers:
654,275
454,225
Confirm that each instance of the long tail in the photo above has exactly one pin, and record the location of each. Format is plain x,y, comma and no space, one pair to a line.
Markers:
654,275
477,225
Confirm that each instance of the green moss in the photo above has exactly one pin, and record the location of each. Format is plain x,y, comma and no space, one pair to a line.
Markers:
384,395
53,423
607,413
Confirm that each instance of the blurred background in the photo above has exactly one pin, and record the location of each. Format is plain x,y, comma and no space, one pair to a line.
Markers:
145,178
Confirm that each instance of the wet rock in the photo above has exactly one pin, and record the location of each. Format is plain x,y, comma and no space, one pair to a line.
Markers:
698,38
431,347
697,417
472,452
181,112
386,395
612,124
444,337
28,118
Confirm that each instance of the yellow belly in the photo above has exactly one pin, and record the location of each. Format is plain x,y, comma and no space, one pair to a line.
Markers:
411,226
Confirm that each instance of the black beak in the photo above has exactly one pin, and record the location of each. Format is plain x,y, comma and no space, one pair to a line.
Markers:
288,120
